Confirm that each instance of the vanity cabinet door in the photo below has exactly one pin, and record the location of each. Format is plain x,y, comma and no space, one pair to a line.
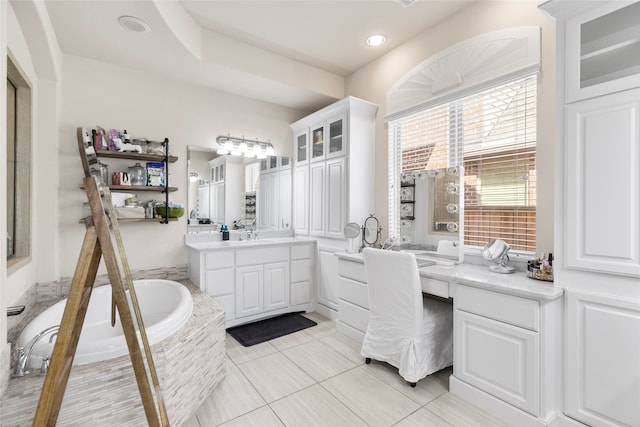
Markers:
276,286
497,358
249,290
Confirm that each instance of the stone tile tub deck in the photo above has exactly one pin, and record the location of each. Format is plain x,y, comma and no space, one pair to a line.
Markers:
190,364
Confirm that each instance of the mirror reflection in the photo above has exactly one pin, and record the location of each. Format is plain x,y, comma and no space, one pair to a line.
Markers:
431,205
242,193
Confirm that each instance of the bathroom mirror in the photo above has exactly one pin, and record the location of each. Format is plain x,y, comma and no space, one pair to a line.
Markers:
242,203
371,230
497,251
431,212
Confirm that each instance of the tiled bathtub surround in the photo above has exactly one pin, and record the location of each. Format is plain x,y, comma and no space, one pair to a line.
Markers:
190,364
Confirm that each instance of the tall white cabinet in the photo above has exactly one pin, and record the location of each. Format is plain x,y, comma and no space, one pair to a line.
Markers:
333,183
597,233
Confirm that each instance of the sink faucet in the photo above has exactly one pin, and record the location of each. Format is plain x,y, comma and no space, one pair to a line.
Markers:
24,353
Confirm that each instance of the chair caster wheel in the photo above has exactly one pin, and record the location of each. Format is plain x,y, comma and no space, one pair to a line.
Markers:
367,360
413,385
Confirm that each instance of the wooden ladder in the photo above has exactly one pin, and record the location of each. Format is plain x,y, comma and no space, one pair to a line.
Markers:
97,245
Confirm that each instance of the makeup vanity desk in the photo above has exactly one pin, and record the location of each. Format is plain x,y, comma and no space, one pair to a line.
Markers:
507,334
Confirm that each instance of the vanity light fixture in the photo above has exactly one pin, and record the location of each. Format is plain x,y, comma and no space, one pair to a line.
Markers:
134,24
376,40
241,147
193,176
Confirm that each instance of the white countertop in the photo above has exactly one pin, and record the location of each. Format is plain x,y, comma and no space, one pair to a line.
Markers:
241,244
479,276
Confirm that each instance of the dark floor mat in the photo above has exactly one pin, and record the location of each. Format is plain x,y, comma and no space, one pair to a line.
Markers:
268,329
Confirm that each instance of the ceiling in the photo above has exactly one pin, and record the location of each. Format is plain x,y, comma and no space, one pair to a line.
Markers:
294,53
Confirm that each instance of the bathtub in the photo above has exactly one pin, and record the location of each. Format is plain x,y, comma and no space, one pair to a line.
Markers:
166,306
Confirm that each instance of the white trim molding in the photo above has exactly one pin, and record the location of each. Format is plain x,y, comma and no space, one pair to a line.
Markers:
475,63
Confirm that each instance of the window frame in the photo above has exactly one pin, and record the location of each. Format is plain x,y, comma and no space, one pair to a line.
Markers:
22,182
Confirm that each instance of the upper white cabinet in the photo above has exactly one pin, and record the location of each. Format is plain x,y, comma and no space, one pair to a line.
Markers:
334,168
603,50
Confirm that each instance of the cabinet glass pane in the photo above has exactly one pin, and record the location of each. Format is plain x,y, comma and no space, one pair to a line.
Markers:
284,161
221,173
609,46
273,162
263,165
335,136
318,142
301,148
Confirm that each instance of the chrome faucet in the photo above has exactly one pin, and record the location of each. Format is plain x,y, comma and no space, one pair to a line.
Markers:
24,353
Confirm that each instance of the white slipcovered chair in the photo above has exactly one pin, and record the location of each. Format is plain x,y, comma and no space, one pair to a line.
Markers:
412,333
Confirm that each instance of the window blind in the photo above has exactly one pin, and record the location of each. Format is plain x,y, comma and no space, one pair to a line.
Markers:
492,133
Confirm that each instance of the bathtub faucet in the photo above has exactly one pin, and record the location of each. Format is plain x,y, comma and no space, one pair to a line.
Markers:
24,353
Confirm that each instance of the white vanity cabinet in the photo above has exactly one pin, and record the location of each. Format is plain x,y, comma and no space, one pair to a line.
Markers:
262,280
252,281
353,302
498,345
598,173
507,347
302,267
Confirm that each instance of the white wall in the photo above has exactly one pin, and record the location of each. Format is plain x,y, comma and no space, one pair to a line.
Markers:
3,180
374,80
150,105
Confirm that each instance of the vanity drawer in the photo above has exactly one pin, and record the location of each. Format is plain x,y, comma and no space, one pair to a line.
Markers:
354,316
262,256
354,292
218,259
352,270
502,307
434,286
300,270
300,251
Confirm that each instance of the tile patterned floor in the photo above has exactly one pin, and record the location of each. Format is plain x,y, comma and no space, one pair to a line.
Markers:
316,377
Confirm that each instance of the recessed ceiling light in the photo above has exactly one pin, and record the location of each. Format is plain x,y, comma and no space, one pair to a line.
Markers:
376,40
134,24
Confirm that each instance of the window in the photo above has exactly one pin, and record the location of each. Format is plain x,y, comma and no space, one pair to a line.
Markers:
492,133
18,166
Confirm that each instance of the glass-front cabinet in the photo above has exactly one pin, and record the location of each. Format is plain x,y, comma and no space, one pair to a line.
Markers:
336,146
301,151
318,142
603,50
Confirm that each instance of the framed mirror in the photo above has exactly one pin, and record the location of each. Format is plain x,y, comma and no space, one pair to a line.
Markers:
431,213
